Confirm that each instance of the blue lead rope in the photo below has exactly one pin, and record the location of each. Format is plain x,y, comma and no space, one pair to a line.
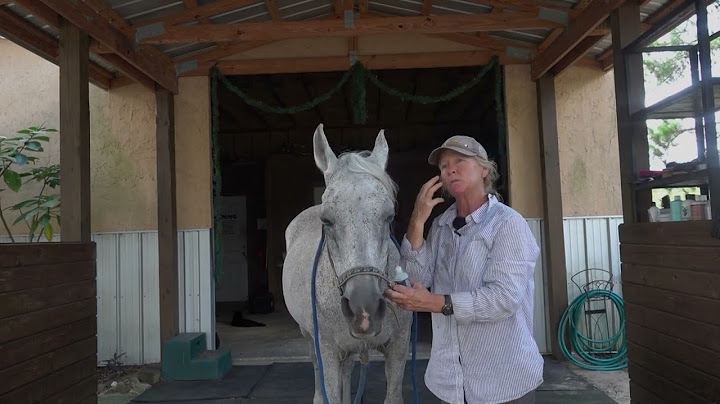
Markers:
363,370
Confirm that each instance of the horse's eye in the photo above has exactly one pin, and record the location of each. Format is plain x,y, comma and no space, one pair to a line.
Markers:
326,222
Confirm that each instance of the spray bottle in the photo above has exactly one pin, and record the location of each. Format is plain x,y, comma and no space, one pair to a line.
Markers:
401,277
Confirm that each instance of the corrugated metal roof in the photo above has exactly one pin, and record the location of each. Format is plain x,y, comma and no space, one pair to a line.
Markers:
139,11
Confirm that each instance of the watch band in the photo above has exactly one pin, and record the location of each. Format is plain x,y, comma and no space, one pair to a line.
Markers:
448,307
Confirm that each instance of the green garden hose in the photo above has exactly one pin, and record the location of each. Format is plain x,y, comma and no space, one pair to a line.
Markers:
593,354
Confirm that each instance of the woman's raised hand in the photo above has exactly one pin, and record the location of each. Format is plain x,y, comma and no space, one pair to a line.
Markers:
425,202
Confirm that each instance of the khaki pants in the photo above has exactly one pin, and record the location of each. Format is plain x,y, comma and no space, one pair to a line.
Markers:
528,398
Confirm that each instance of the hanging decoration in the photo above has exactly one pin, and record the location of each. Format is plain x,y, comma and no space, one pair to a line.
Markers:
358,75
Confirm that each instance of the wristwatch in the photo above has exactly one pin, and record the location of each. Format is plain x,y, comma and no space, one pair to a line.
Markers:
448,306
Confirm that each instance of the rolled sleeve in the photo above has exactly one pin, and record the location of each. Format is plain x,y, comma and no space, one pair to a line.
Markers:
420,263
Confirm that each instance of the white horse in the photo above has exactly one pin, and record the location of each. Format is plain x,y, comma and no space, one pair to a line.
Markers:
357,261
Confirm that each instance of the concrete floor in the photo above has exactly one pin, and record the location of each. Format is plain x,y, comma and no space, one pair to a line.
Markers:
285,383
280,339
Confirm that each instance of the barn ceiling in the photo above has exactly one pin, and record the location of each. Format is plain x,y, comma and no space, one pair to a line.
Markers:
155,41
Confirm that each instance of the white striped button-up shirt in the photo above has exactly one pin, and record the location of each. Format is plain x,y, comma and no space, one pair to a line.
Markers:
485,352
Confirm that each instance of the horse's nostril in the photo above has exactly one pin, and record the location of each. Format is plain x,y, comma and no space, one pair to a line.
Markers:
381,308
345,305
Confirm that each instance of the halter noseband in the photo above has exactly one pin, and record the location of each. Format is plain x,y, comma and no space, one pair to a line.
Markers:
345,276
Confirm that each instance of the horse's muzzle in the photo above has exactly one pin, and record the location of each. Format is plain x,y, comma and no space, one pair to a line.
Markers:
365,321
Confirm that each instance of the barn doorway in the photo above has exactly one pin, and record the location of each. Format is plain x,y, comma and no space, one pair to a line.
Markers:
269,176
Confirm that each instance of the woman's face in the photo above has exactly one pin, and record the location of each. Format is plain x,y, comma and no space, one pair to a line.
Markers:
460,173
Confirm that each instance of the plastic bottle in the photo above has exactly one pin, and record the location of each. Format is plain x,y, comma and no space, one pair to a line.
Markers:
686,204
676,209
654,213
401,277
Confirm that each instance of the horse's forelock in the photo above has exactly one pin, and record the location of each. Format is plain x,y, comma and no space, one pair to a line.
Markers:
358,162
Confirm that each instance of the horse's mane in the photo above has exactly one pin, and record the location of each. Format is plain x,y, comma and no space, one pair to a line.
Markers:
358,162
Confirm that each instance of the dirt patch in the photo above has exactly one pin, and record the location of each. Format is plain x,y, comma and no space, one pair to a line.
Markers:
614,383
126,380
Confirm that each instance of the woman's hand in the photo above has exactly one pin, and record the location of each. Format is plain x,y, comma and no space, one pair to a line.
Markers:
424,204
416,298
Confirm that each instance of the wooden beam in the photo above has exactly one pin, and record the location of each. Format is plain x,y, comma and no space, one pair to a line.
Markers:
605,58
426,7
151,62
23,33
167,214
342,63
577,53
578,29
273,10
198,13
484,41
254,31
629,97
75,130
553,211
52,18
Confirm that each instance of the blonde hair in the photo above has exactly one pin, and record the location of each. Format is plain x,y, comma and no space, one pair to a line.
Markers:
493,175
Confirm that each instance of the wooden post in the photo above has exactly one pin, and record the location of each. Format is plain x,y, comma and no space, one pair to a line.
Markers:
630,97
554,240
167,214
74,134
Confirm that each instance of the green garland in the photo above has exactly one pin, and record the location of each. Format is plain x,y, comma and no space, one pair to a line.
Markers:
357,75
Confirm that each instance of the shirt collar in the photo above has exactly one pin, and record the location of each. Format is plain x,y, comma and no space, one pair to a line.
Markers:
475,216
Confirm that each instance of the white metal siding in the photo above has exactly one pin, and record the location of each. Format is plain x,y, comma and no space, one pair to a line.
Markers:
540,318
128,292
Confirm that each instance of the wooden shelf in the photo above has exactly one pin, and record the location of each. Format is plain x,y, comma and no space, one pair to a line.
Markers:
680,104
691,179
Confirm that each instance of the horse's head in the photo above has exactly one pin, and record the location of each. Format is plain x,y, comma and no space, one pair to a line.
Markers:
357,208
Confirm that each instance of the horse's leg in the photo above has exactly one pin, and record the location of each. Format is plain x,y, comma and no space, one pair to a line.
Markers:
347,368
332,371
395,352
318,393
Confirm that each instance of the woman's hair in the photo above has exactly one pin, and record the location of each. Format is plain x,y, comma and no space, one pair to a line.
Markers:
492,177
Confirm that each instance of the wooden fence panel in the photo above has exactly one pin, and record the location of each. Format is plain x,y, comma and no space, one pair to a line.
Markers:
671,285
48,324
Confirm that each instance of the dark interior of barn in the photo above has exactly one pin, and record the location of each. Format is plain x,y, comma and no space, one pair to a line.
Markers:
267,158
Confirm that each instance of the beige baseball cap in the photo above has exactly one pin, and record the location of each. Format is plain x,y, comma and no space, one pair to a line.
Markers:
462,144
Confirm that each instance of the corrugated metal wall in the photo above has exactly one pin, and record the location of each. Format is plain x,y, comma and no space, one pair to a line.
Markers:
128,319
592,257
128,297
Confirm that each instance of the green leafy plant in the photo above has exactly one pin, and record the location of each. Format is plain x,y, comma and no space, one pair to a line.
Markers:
17,154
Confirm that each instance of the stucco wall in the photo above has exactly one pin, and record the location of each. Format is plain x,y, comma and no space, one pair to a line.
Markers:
524,172
587,130
122,142
29,93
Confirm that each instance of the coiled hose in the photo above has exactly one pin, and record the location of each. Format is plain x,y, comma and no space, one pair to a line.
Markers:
593,354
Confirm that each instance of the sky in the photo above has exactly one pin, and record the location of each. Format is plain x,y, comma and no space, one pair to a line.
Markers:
685,148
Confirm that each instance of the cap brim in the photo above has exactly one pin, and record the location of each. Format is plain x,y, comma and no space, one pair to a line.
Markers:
435,155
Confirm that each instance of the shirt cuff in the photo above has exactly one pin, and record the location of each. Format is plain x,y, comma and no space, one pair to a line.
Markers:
462,307
408,253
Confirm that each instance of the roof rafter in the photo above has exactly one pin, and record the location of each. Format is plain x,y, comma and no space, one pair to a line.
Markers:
197,13
341,63
579,28
52,18
151,62
23,33
328,28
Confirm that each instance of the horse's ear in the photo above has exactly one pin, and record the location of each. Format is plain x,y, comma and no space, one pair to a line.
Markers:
381,150
324,156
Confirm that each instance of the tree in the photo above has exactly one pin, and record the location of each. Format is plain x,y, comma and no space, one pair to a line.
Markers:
669,69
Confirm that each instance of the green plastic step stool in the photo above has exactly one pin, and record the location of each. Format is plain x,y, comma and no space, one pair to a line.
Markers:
185,357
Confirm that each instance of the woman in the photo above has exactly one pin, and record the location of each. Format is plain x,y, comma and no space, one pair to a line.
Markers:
479,260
